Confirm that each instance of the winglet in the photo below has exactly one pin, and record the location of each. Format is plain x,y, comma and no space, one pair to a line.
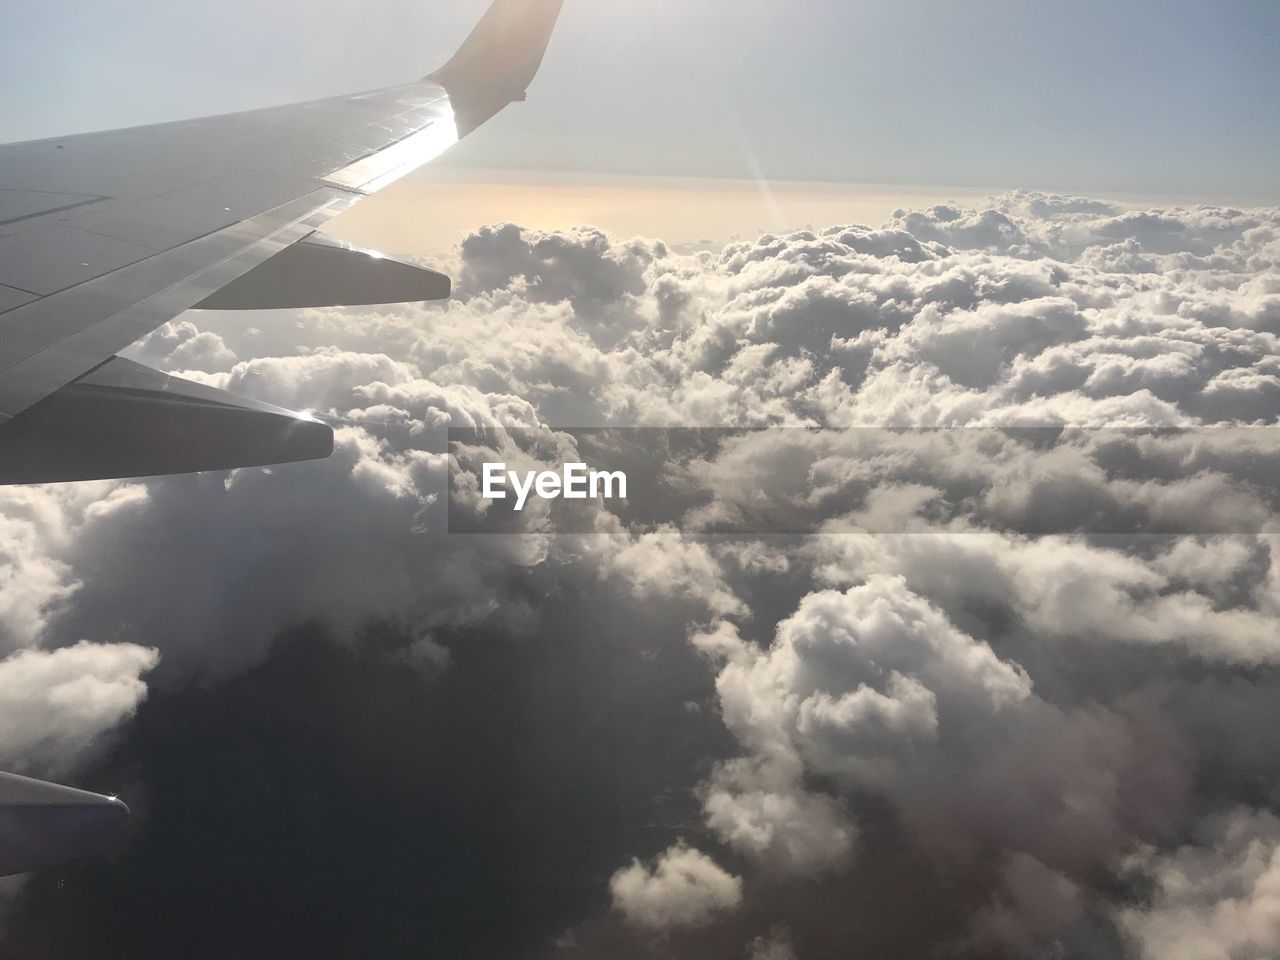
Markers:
500,58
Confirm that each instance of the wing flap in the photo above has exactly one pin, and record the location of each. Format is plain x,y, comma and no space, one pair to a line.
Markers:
125,420
48,825
319,271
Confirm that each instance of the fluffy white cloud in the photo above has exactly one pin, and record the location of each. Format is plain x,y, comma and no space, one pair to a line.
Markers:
855,689
664,565
55,703
1215,900
1010,700
858,679
37,526
1034,309
1134,590
181,343
761,809
682,888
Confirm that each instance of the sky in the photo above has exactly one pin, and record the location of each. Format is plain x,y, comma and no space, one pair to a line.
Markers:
986,733
1154,97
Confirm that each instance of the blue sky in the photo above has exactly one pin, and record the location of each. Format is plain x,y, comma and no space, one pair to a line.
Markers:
1143,96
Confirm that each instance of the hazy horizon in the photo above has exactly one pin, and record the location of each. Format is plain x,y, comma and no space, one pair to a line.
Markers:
1148,96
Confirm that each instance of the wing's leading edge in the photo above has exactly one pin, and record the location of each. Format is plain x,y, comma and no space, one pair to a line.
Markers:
106,236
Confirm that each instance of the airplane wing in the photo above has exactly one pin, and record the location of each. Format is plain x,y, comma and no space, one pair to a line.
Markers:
44,824
106,236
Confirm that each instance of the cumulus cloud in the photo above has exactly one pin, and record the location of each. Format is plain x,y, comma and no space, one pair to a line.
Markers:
1219,898
182,343
54,704
37,524
874,690
682,888
761,809
962,698
1066,589
853,686
663,566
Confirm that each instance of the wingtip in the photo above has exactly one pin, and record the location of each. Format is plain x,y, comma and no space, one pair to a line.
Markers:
502,55
45,825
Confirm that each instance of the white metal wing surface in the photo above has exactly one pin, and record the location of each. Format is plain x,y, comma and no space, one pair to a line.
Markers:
106,236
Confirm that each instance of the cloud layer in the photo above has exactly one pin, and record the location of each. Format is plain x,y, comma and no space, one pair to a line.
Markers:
683,888
1030,742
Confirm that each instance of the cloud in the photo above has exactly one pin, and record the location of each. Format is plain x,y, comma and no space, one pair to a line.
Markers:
1013,713
856,680
874,691
1034,908
1065,589
660,565
682,888
776,946
761,809
1218,898
37,524
181,343
55,704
